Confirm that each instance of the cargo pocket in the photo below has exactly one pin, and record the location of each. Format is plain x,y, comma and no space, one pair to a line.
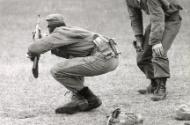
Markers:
103,46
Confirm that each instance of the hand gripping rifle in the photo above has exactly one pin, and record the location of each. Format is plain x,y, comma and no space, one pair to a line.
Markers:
36,35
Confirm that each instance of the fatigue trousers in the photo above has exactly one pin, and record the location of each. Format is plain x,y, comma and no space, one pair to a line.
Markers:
154,66
71,72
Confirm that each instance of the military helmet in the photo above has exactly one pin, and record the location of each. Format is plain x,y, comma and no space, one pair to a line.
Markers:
55,19
183,112
120,117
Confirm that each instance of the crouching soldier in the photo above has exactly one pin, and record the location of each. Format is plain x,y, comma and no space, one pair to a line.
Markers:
88,54
153,45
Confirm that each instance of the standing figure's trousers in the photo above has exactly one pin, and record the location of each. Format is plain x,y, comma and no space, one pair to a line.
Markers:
71,72
150,64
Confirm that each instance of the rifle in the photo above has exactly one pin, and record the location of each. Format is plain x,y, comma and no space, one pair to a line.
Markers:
36,35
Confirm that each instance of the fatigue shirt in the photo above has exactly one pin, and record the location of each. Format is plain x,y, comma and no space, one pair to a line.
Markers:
157,10
72,41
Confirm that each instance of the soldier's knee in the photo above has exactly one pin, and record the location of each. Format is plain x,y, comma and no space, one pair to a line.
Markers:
158,58
54,72
58,72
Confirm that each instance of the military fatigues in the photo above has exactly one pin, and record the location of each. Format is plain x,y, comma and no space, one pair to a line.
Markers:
165,23
87,54
84,57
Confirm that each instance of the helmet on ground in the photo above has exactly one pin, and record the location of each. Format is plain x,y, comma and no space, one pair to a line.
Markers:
119,117
183,112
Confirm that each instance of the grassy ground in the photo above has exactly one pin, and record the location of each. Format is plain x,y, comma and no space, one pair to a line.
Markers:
25,100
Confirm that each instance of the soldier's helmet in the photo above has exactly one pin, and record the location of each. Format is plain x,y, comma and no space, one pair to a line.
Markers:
183,112
119,117
55,19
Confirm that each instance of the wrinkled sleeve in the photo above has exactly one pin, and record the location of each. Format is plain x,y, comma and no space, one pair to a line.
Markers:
157,20
47,43
135,15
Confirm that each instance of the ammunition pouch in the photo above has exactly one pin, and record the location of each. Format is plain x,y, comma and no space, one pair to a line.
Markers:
107,46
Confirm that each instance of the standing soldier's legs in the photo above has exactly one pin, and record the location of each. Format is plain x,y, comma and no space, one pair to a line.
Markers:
157,68
161,64
71,74
144,62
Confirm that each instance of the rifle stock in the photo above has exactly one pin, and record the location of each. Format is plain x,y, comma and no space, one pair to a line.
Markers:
36,35
35,67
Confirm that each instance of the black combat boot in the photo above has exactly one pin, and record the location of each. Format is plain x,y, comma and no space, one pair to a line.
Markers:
160,93
83,100
77,104
93,100
150,89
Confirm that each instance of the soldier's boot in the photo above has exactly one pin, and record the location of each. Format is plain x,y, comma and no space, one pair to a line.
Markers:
77,104
83,100
160,93
93,100
150,89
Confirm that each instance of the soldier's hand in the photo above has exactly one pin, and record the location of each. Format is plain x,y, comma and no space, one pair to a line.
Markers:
139,43
139,46
158,49
31,56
